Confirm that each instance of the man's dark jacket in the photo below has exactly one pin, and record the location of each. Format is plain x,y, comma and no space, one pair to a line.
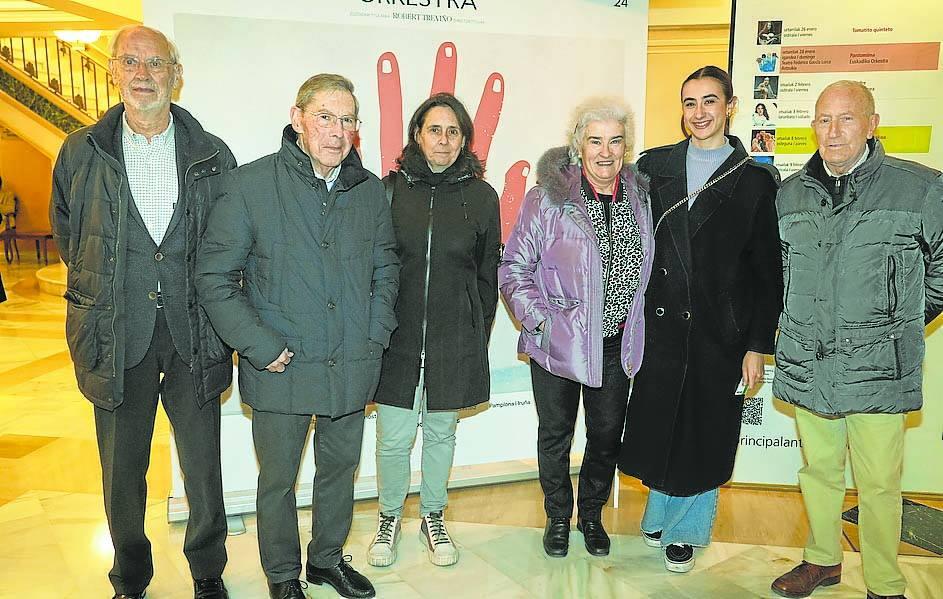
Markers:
92,213
287,263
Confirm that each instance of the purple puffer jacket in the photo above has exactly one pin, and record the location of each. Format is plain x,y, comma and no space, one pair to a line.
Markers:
551,273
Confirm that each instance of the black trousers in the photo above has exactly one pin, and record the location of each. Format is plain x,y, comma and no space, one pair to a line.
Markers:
279,443
124,447
557,400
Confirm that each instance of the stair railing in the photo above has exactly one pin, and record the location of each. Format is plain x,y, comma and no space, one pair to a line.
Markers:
63,70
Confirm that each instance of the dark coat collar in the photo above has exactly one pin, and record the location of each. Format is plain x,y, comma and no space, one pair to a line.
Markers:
814,169
671,187
192,142
352,171
414,168
676,166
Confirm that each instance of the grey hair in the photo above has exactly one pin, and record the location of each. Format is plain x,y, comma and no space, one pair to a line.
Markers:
116,38
857,86
600,109
325,82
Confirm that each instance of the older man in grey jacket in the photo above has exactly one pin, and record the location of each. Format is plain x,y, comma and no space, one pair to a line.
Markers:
130,195
299,273
862,235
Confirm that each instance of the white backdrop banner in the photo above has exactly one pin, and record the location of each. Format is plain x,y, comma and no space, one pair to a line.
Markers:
783,55
520,67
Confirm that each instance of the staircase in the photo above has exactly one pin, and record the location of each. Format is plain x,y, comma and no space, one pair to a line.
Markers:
59,82
48,89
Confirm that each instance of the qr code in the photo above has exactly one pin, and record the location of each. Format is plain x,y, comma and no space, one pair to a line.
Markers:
752,411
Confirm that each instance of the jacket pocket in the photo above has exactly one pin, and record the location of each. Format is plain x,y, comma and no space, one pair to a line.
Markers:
81,331
543,336
214,348
869,360
891,286
563,303
78,298
794,359
471,308
866,286
729,314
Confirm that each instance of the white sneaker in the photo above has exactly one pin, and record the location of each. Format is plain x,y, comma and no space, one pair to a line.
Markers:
652,539
439,546
383,548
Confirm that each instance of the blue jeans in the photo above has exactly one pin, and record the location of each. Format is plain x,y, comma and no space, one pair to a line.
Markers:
686,520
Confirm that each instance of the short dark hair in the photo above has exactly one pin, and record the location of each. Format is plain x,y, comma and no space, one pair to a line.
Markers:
465,124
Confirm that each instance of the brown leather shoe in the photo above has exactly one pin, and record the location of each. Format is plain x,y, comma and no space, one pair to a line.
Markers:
805,578
876,596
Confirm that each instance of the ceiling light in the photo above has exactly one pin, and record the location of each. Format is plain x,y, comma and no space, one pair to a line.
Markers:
80,36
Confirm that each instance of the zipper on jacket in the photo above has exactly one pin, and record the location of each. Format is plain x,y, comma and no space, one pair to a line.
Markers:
837,188
186,174
425,309
891,286
114,282
114,288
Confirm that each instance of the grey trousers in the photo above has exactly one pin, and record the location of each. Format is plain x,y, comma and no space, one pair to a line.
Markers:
279,442
124,447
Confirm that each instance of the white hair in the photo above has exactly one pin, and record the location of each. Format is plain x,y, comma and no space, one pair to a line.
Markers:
171,47
600,109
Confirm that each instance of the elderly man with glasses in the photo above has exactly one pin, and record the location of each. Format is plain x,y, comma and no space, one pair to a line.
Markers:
130,197
298,272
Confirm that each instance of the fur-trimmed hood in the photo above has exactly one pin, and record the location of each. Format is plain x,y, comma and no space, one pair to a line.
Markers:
560,178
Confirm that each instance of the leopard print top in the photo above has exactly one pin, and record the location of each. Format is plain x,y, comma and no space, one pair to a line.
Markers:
620,247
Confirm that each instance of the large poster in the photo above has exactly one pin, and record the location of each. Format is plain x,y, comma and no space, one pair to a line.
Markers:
520,67
783,54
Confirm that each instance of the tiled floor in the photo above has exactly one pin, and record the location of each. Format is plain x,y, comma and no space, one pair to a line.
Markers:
57,546
54,542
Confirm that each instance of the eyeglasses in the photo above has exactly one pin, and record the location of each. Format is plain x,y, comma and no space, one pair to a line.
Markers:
154,64
326,120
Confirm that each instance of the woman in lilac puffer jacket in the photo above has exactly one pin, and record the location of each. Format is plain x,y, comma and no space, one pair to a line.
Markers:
574,274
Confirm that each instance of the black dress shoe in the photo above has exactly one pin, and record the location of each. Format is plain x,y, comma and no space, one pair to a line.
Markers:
290,589
130,595
209,588
594,536
557,537
346,581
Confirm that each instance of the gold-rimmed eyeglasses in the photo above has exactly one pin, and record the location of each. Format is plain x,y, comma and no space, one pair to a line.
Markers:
326,120
154,64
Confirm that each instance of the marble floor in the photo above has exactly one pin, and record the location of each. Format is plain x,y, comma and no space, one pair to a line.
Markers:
54,542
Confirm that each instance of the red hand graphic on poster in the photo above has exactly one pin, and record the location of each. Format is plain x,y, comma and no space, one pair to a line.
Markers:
486,123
